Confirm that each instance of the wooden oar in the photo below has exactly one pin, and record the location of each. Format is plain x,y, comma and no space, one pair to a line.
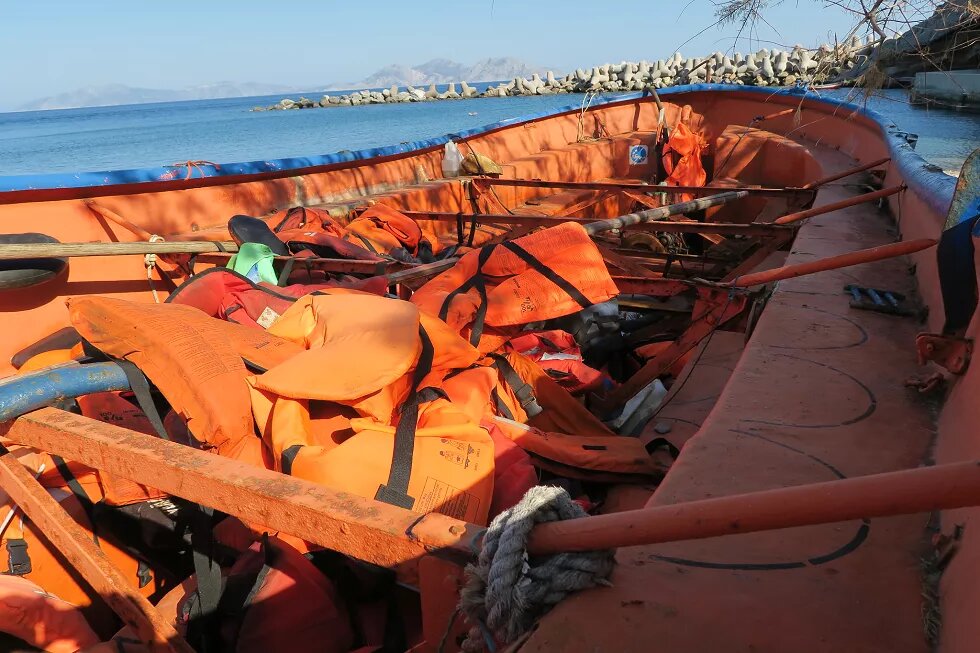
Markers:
907,492
60,250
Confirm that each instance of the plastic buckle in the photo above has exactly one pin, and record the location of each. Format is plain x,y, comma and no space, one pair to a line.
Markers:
19,562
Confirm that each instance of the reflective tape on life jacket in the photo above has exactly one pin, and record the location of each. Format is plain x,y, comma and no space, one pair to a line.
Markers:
544,275
227,295
410,445
186,354
41,619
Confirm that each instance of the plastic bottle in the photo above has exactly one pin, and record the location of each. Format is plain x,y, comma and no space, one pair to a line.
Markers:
452,160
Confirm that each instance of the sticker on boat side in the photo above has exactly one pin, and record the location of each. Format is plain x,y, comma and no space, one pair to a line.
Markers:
639,155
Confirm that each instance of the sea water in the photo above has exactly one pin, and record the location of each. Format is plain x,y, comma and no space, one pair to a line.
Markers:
227,130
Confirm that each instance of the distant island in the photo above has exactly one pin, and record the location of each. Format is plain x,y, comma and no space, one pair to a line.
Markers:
436,71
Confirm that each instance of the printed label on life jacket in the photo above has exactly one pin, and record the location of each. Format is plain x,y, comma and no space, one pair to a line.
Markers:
267,317
450,501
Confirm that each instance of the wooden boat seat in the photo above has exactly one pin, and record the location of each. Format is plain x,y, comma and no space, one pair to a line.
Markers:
851,586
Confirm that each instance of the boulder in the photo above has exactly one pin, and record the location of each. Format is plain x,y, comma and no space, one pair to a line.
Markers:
325,101
286,103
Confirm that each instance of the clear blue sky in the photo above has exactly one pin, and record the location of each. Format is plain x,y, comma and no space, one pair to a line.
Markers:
52,46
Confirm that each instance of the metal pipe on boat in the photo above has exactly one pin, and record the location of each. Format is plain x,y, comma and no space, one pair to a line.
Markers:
790,218
833,262
25,393
659,213
847,173
905,492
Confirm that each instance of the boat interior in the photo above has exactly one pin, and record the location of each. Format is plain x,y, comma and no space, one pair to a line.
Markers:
801,330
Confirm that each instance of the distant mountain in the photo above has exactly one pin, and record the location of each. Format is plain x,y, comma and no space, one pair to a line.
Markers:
113,94
443,71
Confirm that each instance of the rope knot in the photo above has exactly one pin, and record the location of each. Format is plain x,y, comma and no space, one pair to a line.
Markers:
507,590
150,261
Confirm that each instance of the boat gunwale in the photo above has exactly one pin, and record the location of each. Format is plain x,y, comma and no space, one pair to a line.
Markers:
934,185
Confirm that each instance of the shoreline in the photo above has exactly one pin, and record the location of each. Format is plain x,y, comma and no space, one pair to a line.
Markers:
778,68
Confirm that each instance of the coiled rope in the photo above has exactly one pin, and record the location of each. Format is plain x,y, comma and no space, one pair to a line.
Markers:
506,590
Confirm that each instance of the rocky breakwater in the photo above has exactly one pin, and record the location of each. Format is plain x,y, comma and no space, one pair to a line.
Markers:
763,68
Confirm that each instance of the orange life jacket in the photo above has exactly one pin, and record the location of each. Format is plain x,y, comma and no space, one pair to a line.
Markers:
682,159
560,356
42,619
384,230
228,295
416,441
306,218
325,245
188,356
564,437
272,599
544,275
26,552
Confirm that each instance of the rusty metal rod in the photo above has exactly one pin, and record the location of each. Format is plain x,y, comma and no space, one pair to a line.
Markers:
847,173
78,547
790,218
722,228
650,215
833,262
646,188
905,492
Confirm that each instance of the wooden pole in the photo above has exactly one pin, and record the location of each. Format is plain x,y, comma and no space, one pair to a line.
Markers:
58,250
906,492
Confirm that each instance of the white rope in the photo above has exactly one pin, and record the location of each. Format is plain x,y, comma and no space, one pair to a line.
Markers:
150,261
506,590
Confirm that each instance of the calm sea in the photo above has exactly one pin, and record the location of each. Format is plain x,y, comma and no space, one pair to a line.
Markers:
224,131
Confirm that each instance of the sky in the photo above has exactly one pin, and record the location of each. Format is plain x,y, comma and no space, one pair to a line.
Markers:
52,46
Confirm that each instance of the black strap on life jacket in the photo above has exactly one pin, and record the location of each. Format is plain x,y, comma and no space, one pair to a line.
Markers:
141,390
287,457
395,491
523,391
76,488
202,632
548,273
479,282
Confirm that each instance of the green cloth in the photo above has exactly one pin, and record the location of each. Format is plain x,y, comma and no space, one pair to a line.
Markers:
254,261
